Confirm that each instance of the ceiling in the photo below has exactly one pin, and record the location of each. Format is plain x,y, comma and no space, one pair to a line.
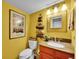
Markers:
32,6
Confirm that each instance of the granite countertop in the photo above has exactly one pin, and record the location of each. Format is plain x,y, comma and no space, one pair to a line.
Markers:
68,47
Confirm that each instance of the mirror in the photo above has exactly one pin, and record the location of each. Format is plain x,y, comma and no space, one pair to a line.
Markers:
57,22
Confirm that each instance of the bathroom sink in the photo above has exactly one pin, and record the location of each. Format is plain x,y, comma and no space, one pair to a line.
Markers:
56,44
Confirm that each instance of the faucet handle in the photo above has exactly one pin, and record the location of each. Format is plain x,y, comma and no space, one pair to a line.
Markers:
55,39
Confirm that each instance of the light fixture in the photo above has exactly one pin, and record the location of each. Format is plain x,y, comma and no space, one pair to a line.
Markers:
64,7
48,12
55,9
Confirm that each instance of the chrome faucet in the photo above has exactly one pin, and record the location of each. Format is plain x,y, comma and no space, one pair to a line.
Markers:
56,40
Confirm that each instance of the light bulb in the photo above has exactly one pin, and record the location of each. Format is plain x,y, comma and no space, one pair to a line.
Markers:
55,9
48,12
64,7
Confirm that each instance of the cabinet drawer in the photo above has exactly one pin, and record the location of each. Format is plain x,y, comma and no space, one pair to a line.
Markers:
47,50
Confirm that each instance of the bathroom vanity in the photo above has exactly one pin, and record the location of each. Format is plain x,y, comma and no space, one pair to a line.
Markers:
51,52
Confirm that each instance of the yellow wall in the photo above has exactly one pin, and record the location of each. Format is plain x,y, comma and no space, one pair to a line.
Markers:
73,37
12,47
34,18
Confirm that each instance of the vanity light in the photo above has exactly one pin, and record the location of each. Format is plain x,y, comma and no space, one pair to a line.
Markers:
64,7
48,12
55,9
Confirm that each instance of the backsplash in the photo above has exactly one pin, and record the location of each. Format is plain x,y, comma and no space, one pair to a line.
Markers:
59,39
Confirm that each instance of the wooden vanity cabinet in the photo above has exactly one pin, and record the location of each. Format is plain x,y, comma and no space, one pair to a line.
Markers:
49,53
46,56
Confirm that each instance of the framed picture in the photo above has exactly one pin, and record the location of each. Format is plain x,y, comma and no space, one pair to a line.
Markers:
17,24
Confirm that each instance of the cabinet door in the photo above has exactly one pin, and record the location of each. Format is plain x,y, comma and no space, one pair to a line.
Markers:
64,58
46,56
47,50
63,55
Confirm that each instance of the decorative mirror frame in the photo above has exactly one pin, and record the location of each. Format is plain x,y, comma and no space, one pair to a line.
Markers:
64,22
